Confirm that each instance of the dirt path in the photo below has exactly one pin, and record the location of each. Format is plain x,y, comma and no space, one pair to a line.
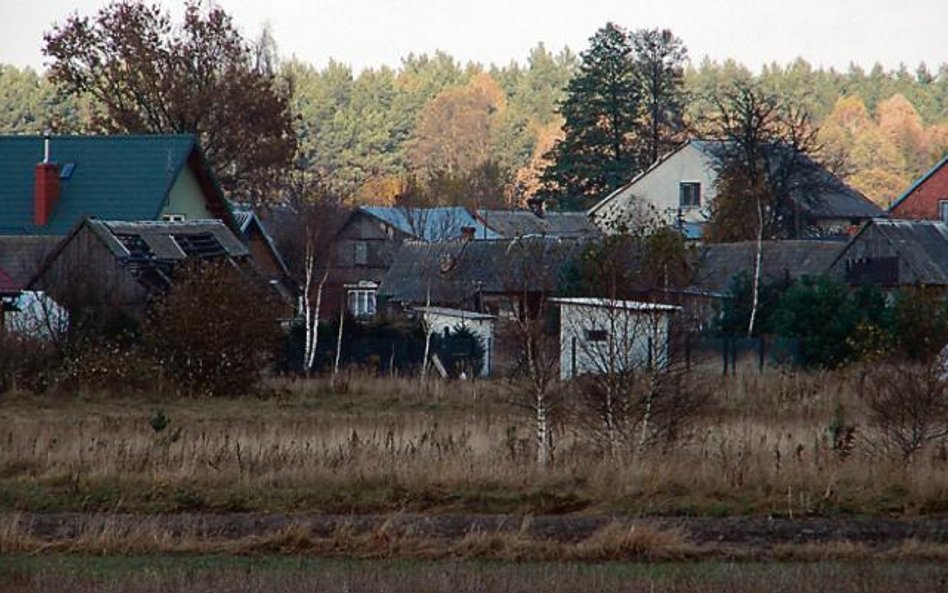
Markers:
744,532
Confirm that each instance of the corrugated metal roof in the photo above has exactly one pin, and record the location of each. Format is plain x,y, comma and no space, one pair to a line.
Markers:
114,178
520,223
719,263
601,303
922,244
431,224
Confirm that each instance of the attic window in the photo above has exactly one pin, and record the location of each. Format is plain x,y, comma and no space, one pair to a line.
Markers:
67,171
689,194
172,217
136,246
199,245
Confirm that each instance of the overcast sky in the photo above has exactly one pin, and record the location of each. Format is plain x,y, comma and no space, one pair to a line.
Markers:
368,33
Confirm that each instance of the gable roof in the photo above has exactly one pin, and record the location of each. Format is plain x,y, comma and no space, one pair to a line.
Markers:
247,220
150,249
121,177
918,182
520,223
921,244
719,263
456,272
835,198
442,223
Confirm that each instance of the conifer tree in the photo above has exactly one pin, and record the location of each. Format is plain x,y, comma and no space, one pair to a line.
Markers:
597,152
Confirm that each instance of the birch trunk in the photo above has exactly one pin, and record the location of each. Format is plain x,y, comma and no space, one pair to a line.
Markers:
755,294
335,366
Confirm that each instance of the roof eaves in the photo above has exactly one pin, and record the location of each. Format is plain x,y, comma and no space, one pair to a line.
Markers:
918,182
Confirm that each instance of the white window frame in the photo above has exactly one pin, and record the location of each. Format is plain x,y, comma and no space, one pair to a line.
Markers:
681,194
361,299
170,217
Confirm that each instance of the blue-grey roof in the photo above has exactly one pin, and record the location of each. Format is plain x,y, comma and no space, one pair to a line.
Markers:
113,178
431,224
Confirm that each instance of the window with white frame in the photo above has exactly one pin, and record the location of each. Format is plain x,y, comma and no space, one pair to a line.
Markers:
172,217
689,194
943,210
361,301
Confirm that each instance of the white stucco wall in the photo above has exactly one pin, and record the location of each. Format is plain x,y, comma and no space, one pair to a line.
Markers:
437,321
633,339
658,188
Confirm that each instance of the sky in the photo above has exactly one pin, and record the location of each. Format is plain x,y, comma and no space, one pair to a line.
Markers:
371,33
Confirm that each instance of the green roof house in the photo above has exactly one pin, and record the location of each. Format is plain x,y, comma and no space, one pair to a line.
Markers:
48,185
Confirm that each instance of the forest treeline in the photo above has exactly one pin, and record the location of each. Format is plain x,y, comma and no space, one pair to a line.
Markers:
477,135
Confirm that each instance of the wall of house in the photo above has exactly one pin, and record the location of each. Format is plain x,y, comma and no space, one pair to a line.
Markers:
187,198
438,323
626,340
380,241
923,202
869,259
85,272
659,189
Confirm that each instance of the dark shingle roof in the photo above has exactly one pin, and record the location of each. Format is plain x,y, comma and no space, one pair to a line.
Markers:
719,263
456,272
114,178
20,256
168,241
519,223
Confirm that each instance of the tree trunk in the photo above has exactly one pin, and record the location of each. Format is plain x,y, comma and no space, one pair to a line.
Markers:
755,294
335,366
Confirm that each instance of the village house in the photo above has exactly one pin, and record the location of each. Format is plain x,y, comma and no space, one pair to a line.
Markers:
892,253
48,185
365,246
679,189
111,269
927,198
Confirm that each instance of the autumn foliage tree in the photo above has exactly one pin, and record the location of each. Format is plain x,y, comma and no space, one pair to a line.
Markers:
148,75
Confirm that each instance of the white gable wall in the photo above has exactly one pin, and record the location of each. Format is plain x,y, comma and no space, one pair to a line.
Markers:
658,189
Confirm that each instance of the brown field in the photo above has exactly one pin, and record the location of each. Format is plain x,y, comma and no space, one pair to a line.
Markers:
387,445
279,574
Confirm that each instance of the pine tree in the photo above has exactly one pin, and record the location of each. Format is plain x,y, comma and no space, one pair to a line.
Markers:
597,153
659,69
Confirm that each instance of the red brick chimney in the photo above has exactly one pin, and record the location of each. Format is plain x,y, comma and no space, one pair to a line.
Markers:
45,188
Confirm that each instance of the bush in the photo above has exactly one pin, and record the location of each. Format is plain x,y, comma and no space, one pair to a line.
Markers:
215,330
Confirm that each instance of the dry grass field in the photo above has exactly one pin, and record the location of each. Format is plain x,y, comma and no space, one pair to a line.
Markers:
764,447
280,574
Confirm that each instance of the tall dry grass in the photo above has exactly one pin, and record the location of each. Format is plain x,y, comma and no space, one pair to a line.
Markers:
764,447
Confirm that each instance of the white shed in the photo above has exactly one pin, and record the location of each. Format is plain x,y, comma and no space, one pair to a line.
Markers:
439,320
598,335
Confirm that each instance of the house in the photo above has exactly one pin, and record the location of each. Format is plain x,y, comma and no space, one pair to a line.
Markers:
599,336
927,198
511,224
113,268
679,189
365,246
503,277
49,184
893,253
441,320
719,264
253,233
